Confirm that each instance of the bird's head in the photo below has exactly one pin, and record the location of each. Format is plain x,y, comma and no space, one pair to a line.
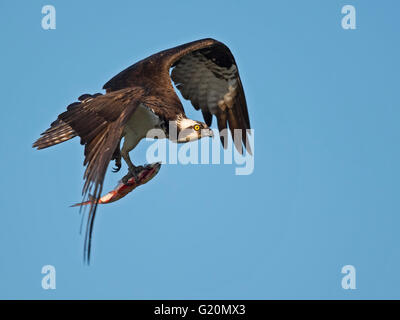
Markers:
190,130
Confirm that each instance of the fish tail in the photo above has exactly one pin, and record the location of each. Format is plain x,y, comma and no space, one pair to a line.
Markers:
90,201
82,203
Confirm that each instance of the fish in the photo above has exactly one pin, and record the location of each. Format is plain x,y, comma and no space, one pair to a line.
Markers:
123,188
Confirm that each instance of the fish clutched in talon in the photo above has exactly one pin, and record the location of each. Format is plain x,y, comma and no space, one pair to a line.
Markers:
127,184
141,99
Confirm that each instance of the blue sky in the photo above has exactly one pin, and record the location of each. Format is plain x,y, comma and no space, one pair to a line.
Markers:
324,103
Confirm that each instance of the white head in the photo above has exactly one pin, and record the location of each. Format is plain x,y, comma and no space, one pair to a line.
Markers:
190,130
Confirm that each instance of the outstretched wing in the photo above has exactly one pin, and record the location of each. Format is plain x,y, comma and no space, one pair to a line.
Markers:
205,72
209,78
99,121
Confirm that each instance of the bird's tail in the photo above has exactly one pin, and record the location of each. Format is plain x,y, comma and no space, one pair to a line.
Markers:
58,132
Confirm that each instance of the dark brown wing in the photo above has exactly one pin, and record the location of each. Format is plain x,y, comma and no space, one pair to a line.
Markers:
99,121
209,78
205,72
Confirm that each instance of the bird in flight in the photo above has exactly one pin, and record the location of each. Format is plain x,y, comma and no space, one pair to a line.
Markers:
142,98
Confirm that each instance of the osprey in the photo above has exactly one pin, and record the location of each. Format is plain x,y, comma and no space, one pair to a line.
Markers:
141,98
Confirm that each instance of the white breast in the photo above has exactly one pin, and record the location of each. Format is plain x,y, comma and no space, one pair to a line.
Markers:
137,127
142,121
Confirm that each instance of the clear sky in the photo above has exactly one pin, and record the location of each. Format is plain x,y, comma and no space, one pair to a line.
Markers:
324,103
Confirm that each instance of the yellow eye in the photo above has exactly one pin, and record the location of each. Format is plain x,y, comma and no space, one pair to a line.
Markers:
196,127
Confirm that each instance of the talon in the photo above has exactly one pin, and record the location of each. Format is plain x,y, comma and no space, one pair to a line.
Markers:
117,166
126,178
139,168
132,173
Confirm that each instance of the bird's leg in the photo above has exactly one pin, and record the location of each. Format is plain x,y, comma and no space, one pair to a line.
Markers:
133,170
117,157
